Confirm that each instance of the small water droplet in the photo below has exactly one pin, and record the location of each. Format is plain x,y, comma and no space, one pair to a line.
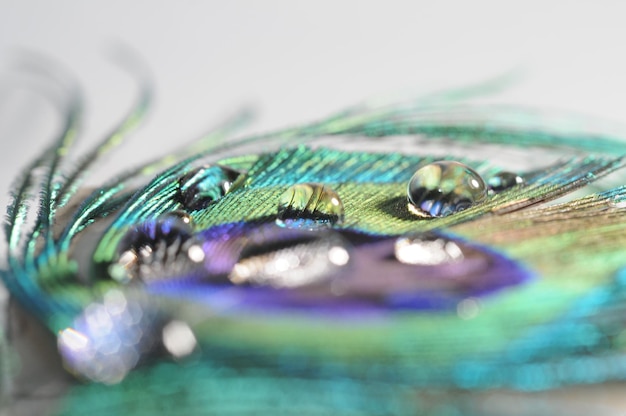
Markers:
204,185
504,180
290,258
309,206
427,250
160,248
443,188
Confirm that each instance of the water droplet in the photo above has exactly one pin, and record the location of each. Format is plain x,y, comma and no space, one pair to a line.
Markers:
503,181
160,248
443,188
204,185
290,258
309,206
427,250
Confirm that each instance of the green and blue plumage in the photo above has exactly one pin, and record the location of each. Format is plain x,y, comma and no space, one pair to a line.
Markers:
547,313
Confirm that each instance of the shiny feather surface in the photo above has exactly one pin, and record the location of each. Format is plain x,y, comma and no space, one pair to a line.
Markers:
290,273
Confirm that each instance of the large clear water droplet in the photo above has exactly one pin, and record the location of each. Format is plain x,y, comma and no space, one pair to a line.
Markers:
427,250
204,185
443,188
309,206
289,258
504,180
161,248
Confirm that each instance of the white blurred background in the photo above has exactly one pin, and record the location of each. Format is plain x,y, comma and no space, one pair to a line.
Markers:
297,61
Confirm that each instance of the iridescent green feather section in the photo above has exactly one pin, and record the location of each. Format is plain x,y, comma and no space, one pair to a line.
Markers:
533,335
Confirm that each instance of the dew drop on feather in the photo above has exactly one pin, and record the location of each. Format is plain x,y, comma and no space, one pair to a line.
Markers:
204,185
504,180
309,206
443,188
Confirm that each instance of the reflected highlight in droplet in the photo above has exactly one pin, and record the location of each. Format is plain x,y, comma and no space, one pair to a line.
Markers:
427,250
289,258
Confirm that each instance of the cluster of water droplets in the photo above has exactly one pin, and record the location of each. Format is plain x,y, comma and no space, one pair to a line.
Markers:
301,249
167,246
308,249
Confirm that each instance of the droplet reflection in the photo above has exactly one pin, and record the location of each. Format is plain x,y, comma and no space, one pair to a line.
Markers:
427,250
289,258
337,270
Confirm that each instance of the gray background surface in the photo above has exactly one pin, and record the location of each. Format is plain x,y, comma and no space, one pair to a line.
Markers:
297,61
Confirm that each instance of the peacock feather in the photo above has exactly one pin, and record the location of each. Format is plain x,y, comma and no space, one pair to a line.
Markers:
391,259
